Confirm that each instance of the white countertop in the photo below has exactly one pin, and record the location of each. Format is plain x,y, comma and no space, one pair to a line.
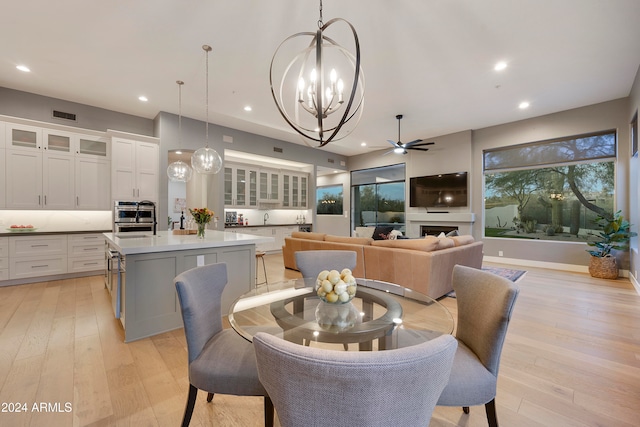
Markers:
165,241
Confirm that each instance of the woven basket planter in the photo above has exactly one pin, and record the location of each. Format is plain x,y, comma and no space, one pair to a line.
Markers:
603,267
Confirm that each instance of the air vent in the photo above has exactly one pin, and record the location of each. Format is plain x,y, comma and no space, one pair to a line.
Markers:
277,149
65,116
331,161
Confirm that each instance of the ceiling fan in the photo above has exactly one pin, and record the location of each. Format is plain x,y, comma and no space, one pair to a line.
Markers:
401,148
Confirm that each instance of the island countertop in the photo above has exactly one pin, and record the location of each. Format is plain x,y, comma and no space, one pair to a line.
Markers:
164,241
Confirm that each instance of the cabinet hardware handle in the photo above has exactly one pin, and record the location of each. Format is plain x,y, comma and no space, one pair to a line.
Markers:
40,266
39,200
90,249
39,246
45,200
77,200
90,263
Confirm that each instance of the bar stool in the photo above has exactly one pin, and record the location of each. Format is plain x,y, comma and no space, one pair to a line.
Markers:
260,256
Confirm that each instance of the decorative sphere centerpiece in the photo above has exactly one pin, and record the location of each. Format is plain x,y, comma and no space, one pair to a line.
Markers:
336,287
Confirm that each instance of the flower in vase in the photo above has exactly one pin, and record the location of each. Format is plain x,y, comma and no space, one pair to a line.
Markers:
201,215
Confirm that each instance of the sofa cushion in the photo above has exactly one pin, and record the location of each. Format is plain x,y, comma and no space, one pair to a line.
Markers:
463,240
382,232
364,231
308,235
426,245
350,240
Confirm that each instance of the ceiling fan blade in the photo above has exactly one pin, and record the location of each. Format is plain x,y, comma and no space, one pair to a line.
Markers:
395,144
418,148
415,141
422,144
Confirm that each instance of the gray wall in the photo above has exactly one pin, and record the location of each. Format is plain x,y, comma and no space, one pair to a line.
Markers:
36,107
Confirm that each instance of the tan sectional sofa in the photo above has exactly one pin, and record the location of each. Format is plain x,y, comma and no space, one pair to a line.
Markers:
424,265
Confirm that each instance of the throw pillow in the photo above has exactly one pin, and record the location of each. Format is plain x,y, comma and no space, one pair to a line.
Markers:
382,232
452,233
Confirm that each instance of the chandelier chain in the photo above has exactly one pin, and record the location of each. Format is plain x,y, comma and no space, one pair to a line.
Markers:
180,83
207,49
320,23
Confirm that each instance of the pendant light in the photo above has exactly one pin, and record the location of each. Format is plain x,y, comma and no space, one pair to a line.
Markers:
179,171
334,83
206,160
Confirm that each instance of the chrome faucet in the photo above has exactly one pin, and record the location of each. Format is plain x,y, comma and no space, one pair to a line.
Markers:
265,218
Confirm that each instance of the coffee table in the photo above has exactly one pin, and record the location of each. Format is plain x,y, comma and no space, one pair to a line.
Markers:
381,316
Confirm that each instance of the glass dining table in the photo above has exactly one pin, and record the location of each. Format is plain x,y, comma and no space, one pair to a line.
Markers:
381,316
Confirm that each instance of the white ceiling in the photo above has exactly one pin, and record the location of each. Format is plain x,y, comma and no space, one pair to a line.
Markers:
431,60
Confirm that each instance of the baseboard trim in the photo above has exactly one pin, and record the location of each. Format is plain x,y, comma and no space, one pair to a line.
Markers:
13,282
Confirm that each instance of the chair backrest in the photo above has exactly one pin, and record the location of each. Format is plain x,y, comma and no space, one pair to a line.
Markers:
314,386
311,263
199,292
485,303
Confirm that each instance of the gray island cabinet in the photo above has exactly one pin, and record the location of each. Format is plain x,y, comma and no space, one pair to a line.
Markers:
141,269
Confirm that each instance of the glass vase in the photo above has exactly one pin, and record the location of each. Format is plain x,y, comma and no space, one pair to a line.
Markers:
201,228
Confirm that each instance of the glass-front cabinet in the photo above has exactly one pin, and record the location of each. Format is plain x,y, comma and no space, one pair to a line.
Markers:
240,186
269,186
294,190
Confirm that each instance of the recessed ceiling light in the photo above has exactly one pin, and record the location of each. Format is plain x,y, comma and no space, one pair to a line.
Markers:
523,105
248,108
23,68
500,66
363,144
143,98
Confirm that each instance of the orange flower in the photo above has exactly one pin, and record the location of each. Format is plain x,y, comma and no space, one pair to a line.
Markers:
201,215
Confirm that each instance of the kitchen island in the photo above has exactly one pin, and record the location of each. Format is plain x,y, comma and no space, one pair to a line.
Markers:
141,269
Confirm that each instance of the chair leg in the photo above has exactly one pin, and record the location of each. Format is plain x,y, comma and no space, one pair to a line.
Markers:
268,412
490,408
209,397
465,409
191,402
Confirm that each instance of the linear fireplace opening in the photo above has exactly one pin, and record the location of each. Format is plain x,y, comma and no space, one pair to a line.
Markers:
434,230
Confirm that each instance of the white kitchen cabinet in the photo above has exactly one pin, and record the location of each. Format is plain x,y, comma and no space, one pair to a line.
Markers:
4,258
92,184
134,170
240,186
3,191
295,190
23,136
3,135
33,256
92,147
37,180
269,186
85,252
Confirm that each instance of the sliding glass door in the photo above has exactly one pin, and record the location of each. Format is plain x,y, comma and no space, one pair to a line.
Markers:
378,197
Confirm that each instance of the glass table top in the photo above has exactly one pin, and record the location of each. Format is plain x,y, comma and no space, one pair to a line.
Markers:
381,316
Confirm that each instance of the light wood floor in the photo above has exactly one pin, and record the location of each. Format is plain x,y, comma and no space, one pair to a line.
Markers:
571,358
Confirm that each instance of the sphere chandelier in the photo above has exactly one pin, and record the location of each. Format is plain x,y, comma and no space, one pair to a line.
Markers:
179,171
309,106
206,160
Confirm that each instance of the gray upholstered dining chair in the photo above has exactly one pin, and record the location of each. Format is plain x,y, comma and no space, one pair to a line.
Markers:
311,386
220,360
485,303
311,263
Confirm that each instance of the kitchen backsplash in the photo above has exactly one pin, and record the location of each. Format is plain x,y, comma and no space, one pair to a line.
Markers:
275,216
57,220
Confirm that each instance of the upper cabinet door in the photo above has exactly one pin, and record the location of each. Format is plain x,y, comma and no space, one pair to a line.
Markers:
23,137
58,184
147,163
2,179
92,184
59,142
93,147
24,179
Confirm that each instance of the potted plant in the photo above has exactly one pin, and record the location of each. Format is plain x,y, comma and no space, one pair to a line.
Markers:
614,234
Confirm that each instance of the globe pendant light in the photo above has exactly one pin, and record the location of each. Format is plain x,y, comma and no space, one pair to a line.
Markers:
179,171
206,160
309,106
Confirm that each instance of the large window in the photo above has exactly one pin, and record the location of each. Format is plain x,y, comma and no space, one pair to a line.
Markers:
550,190
378,197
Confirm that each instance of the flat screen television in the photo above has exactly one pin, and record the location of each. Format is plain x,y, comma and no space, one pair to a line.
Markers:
438,191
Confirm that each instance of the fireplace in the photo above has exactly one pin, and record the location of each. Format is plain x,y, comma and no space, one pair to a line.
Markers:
434,230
